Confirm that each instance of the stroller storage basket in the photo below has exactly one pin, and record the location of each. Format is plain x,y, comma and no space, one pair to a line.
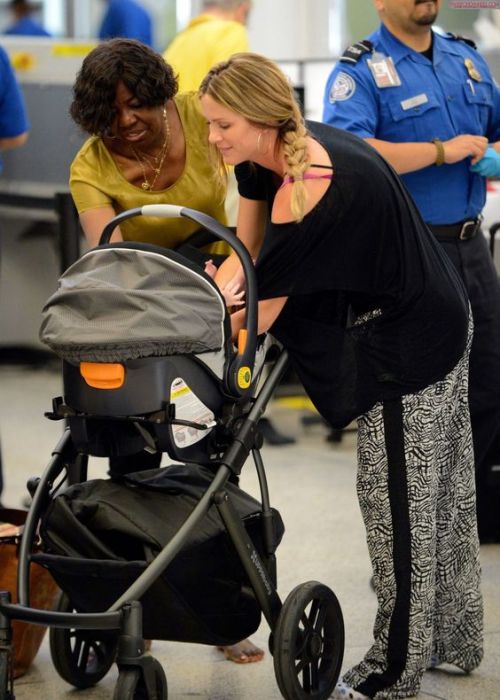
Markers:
203,596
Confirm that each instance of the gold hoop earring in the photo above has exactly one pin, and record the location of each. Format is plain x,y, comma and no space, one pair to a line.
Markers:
260,151
165,113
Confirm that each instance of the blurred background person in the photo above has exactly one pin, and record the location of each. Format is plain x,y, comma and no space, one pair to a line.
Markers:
14,127
213,36
24,23
127,19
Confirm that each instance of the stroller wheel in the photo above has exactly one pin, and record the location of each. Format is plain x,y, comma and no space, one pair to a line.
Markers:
81,657
308,643
131,685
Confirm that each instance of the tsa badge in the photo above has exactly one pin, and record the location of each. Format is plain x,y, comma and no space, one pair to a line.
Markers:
342,89
472,70
383,71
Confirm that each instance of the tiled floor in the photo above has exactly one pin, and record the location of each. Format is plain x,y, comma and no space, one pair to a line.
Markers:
312,485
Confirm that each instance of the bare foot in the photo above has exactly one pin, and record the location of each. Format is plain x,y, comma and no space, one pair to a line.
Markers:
245,652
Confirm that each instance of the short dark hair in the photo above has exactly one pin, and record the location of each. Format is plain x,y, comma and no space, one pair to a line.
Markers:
25,6
143,71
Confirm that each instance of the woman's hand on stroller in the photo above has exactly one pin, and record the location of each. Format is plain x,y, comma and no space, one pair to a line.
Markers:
233,290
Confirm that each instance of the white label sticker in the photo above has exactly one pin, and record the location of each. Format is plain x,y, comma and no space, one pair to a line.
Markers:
189,407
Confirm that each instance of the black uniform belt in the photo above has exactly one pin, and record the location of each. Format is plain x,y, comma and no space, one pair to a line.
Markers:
462,230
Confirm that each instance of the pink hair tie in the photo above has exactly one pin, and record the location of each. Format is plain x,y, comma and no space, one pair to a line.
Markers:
288,179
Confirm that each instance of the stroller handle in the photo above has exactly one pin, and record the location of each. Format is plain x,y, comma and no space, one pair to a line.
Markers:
240,369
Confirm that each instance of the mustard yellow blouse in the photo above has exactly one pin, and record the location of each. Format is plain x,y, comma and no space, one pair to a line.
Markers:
96,181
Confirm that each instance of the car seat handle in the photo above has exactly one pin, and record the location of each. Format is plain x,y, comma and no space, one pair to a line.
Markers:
240,370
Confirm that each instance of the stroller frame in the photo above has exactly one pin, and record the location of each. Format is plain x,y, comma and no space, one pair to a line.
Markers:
307,634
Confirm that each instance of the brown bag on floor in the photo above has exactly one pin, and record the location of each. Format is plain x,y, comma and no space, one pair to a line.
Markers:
43,590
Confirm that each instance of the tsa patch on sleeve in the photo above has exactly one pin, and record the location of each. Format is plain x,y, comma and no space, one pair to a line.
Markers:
343,88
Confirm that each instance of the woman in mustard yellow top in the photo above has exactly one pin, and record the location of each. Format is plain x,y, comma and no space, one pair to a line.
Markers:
147,145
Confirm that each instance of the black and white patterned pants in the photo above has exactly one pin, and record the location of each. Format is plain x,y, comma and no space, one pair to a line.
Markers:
417,497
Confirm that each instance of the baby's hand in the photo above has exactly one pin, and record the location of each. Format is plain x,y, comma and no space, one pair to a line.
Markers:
234,290
233,294
210,269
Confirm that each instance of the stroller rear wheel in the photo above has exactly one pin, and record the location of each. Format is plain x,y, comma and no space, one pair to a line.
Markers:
308,643
81,657
131,684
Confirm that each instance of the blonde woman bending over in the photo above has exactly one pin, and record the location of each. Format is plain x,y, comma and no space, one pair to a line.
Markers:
376,322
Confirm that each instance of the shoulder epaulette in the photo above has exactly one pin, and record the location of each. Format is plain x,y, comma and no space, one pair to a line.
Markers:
354,52
465,39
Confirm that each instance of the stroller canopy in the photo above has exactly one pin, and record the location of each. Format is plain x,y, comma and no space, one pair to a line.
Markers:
129,300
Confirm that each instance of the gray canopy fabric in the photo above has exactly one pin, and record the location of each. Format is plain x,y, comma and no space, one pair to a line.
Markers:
119,303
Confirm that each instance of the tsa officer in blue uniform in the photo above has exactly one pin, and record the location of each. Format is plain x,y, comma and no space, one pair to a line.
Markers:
24,24
128,19
429,105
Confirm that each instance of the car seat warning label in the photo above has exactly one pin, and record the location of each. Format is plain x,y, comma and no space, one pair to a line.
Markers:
188,407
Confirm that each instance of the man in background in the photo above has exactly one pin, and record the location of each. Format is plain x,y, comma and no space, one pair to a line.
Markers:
13,128
24,24
210,37
429,104
127,19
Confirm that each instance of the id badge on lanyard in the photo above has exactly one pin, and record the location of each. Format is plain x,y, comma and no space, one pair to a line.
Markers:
383,70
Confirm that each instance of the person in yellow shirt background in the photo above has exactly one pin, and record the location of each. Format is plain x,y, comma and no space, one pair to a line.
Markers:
213,36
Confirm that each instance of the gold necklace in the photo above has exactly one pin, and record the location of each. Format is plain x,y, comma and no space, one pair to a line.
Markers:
159,159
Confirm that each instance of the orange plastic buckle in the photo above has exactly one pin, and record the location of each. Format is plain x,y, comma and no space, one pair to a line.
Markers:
242,340
103,375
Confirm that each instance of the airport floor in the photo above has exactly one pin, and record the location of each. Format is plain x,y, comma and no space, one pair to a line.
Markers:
312,483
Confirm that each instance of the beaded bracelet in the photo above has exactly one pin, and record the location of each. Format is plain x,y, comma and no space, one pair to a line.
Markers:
440,152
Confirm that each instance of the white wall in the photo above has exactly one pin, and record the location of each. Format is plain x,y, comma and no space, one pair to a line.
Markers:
295,29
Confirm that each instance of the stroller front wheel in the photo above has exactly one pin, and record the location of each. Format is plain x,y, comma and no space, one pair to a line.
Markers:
308,643
131,684
81,657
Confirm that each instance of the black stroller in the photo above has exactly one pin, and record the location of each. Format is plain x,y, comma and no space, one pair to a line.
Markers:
179,552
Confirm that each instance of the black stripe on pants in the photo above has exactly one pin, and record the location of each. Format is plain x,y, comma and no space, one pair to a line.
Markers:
397,648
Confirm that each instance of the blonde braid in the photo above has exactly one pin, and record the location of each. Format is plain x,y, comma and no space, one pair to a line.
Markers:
294,141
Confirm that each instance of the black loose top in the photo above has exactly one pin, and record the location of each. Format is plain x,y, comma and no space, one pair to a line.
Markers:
375,309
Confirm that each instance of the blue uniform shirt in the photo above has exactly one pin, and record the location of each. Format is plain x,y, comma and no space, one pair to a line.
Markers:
127,19
27,27
13,118
437,99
